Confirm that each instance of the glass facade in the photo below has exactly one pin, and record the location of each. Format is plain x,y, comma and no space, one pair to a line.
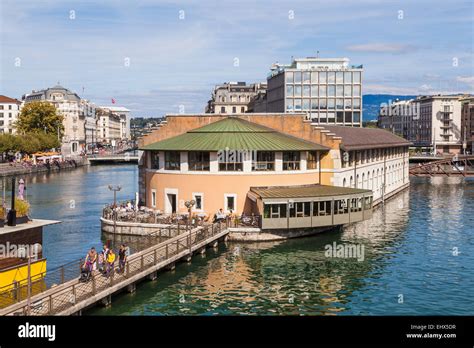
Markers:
323,93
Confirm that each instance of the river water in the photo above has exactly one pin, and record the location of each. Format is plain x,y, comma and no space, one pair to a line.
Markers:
416,256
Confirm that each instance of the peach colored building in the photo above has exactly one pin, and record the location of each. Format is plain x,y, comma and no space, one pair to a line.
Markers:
268,164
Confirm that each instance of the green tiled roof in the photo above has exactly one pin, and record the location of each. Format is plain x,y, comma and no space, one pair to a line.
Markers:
304,191
235,134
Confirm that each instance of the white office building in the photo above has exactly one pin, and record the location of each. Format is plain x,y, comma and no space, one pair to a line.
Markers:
328,90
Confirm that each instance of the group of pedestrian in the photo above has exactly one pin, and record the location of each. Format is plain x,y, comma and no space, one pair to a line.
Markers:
104,262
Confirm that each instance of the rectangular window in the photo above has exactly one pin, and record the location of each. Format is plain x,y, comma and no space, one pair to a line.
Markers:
314,77
234,110
153,198
314,91
339,77
331,90
356,116
314,104
348,117
340,117
341,206
347,103
322,77
289,76
322,208
311,160
297,103
306,104
274,211
322,91
291,160
300,209
357,103
265,161
289,104
339,91
198,160
331,77
347,91
198,199
297,75
306,90
230,161
347,77
356,90
306,77
289,90
339,104
297,91
230,202
331,104
172,160
323,104
356,76
155,160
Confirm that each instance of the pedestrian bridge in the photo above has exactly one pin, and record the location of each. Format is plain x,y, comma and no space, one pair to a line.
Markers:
459,165
113,159
73,296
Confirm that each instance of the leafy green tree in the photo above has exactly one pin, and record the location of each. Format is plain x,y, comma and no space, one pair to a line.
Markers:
9,143
40,116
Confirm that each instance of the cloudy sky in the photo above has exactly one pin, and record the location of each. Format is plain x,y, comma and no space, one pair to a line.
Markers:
154,56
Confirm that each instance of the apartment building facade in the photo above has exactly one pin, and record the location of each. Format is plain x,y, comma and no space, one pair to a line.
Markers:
328,90
467,124
9,111
77,114
432,122
233,97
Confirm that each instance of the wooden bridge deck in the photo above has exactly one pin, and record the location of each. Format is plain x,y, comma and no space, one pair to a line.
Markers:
74,296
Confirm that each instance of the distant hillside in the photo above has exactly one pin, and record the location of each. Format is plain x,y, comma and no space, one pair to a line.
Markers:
371,103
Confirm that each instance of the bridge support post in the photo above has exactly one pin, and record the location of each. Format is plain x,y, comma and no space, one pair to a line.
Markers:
106,301
202,251
214,244
187,258
153,276
131,288
171,266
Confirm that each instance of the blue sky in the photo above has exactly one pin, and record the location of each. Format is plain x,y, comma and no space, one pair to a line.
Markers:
177,51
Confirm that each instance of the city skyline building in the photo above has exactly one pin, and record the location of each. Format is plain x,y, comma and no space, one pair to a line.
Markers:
328,90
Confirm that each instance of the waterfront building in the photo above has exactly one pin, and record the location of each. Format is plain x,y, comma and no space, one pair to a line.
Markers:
123,115
9,111
432,122
233,97
328,90
108,126
78,113
467,123
276,165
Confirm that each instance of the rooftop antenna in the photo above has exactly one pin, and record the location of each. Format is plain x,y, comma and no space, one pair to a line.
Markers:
317,54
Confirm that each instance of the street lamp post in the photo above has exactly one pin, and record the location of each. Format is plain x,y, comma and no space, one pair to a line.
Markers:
115,188
189,204
29,254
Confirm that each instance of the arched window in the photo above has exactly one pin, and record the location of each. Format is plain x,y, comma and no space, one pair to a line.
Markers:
351,182
344,182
